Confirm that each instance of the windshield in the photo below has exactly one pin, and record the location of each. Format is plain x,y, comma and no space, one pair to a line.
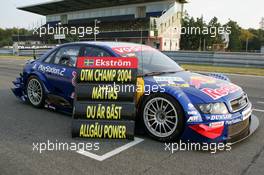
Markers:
152,61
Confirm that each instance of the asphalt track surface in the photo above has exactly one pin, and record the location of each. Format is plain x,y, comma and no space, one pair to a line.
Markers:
21,125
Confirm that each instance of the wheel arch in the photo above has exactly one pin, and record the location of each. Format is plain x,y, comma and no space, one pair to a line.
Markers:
144,97
140,119
42,79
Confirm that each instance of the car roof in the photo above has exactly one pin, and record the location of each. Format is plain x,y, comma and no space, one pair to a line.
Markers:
109,44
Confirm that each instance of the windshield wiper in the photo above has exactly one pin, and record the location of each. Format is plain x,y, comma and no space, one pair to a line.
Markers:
160,73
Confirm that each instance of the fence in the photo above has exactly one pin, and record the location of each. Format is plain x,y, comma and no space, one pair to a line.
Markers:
218,58
188,57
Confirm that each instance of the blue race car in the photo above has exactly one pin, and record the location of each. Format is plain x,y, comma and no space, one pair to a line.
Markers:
188,106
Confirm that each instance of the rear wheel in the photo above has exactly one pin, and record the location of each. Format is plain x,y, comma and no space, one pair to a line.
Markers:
35,92
162,117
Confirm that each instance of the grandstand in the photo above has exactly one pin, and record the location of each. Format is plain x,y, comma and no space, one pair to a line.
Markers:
150,22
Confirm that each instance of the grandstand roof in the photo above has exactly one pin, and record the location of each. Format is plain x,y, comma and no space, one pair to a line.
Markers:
62,6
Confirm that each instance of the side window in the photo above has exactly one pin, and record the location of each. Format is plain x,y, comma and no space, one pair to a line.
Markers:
67,56
49,58
95,52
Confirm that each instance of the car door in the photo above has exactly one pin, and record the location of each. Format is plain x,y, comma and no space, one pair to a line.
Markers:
62,73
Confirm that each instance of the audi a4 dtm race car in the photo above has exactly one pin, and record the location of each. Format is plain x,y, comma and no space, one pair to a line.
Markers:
187,106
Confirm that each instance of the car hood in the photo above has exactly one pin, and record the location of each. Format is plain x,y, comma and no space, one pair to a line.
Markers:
197,86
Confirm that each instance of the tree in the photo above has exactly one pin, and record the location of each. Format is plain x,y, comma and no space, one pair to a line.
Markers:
214,37
6,35
192,37
245,37
257,41
234,37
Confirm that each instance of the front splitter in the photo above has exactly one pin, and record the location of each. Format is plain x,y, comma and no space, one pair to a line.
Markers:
254,124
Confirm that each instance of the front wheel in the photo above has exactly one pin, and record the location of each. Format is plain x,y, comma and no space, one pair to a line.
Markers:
162,117
35,92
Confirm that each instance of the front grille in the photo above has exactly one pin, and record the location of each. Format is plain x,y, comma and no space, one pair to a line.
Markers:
239,103
238,128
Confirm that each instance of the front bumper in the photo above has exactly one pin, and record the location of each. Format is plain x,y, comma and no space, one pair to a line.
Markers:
252,127
234,128
19,88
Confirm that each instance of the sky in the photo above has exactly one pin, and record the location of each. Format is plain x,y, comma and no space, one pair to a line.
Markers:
247,13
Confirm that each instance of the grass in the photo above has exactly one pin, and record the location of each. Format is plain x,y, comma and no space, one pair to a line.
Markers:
16,57
221,69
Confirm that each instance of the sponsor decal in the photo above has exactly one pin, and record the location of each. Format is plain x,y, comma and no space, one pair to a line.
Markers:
126,50
176,85
34,67
49,69
170,81
194,115
191,106
223,90
192,112
216,124
197,81
233,121
247,113
194,119
220,117
107,63
74,76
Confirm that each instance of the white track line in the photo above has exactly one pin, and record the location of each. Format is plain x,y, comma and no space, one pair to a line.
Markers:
260,102
111,153
258,110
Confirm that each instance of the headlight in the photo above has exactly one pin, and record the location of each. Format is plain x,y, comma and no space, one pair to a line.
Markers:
213,108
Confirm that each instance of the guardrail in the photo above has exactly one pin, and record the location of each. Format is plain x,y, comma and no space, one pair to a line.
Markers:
24,52
237,59
218,58
6,51
32,52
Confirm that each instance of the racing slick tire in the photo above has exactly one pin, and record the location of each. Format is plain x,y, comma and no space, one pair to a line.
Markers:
35,92
162,117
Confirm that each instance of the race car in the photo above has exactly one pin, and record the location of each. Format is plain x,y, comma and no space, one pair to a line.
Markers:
187,106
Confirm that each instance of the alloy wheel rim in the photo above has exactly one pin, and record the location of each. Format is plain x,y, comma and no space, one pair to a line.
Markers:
160,117
34,92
